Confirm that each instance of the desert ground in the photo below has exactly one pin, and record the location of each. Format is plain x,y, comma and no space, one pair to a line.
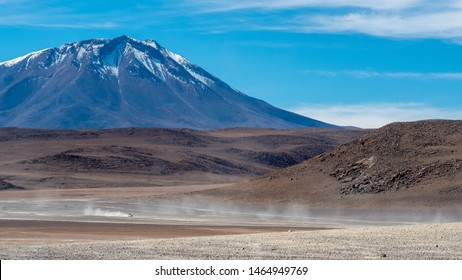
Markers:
411,242
180,194
143,223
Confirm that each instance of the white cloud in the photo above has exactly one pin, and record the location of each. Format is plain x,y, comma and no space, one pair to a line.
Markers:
232,5
13,1
386,18
57,14
374,115
82,25
364,74
439,24
392,18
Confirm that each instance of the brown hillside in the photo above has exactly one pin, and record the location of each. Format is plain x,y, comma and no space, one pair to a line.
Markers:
401,164
130,157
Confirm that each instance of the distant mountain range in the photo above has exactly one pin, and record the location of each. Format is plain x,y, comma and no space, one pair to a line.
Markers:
123,82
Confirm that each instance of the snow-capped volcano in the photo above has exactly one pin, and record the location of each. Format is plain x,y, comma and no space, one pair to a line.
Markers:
124,82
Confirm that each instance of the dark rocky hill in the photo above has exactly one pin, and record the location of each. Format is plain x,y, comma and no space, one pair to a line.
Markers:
401,164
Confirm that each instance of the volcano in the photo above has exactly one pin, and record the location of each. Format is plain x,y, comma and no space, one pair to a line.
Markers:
124,82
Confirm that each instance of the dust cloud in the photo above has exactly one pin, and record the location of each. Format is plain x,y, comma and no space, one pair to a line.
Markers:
104,213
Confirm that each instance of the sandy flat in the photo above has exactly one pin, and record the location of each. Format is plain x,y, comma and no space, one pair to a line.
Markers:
426,241
20,232
94,224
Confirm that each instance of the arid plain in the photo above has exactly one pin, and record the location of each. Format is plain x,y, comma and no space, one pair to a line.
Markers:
234,193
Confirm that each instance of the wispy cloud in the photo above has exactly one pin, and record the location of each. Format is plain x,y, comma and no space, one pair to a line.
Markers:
392,18
65,14
386,18
79,25
232,5
12,1
365,74
374,115
70,21
424,24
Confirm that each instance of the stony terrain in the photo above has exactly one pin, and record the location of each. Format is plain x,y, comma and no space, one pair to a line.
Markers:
412,242
417,164
8,186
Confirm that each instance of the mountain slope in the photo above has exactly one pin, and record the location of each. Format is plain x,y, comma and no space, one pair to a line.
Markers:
128,157
124,82
402,164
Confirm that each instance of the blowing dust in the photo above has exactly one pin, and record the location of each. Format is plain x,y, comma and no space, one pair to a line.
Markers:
223,212
104,213
206,212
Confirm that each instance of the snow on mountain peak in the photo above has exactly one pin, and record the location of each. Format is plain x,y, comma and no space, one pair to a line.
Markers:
123,82
18,60
178,58
107,55
152,43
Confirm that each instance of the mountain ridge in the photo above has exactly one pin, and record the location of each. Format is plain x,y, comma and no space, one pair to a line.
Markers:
410,164
43,158
124,82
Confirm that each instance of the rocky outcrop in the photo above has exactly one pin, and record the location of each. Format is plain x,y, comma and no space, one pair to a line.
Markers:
4,185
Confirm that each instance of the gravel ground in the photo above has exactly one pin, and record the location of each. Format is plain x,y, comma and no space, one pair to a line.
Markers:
435,241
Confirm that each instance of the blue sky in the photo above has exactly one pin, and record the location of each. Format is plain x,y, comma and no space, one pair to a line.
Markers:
353,62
